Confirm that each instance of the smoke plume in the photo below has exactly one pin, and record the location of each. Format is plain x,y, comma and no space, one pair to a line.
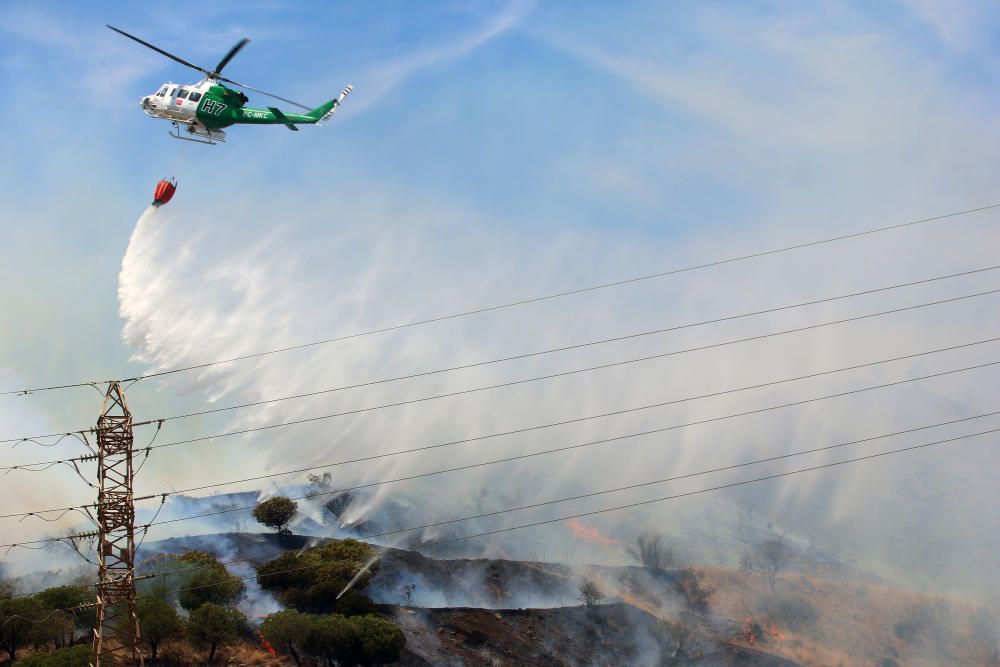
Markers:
193,292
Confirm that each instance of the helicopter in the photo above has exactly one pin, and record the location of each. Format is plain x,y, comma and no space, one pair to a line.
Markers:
204,108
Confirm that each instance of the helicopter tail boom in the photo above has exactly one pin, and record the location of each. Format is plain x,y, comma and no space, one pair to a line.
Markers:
324,111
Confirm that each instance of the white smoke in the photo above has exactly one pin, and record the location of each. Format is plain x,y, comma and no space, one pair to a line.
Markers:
815,129
187,299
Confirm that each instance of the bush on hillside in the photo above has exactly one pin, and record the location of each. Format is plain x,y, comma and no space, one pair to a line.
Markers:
72,656
311,580
276,512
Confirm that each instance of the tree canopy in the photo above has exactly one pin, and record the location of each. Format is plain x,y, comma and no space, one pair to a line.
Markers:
311,580
331,638
61,627
379,640
275,512
158,620
288,632
334,638
211,626
18,629
208,581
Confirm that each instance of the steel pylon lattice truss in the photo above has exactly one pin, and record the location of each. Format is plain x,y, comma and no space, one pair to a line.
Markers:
116,630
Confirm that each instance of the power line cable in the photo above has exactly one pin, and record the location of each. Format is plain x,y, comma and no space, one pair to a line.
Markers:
549,376
674,427
579,515
253,404
564,348
562,449
684,495
163,495
521,302
428,398
561,423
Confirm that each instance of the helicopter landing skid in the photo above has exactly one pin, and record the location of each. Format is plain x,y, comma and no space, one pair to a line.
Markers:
198,134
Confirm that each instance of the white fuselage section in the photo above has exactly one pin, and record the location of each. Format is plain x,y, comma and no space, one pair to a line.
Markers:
175,101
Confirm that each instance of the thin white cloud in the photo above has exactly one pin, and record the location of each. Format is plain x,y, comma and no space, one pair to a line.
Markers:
384,77
101,67
961,26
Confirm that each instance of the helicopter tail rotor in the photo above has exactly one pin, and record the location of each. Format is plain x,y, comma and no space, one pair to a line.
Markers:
324,111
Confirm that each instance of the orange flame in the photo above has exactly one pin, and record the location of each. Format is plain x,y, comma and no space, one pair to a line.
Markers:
589,533
631,599
267,645
752,632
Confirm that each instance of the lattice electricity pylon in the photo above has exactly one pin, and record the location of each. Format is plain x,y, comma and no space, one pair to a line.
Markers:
116,631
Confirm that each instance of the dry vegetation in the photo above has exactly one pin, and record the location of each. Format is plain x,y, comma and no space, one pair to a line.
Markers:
179,653
854,622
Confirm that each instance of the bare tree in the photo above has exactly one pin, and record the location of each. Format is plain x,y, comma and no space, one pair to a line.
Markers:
692,584
406,599
590,594
653,551
321,481
773,556
746,562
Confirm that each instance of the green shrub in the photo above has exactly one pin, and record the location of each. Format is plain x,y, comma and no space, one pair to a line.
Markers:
18,630
207,581
276,512
158,620
288,632
212,626
311,580
73,656
333,638
379,641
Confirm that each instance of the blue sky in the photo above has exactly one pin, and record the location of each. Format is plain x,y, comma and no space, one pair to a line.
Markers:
643,122
490,151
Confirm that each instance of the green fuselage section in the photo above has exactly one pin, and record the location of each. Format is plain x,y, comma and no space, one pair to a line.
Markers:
221,107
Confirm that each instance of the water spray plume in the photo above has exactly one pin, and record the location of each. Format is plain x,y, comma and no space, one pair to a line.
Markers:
371,561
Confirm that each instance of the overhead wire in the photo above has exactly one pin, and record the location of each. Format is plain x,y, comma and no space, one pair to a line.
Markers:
372,457
512,383
605,510
675,496
560,449
521,302
769,477
159,421
699,348
560,423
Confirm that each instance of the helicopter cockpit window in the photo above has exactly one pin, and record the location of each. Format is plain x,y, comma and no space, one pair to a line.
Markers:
182,95
173,92
163,91
194,96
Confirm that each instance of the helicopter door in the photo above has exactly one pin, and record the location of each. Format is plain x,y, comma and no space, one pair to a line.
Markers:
173,103
183,106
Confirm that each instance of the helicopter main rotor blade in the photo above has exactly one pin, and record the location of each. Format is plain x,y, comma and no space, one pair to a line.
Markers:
161,51
229,56
263,92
